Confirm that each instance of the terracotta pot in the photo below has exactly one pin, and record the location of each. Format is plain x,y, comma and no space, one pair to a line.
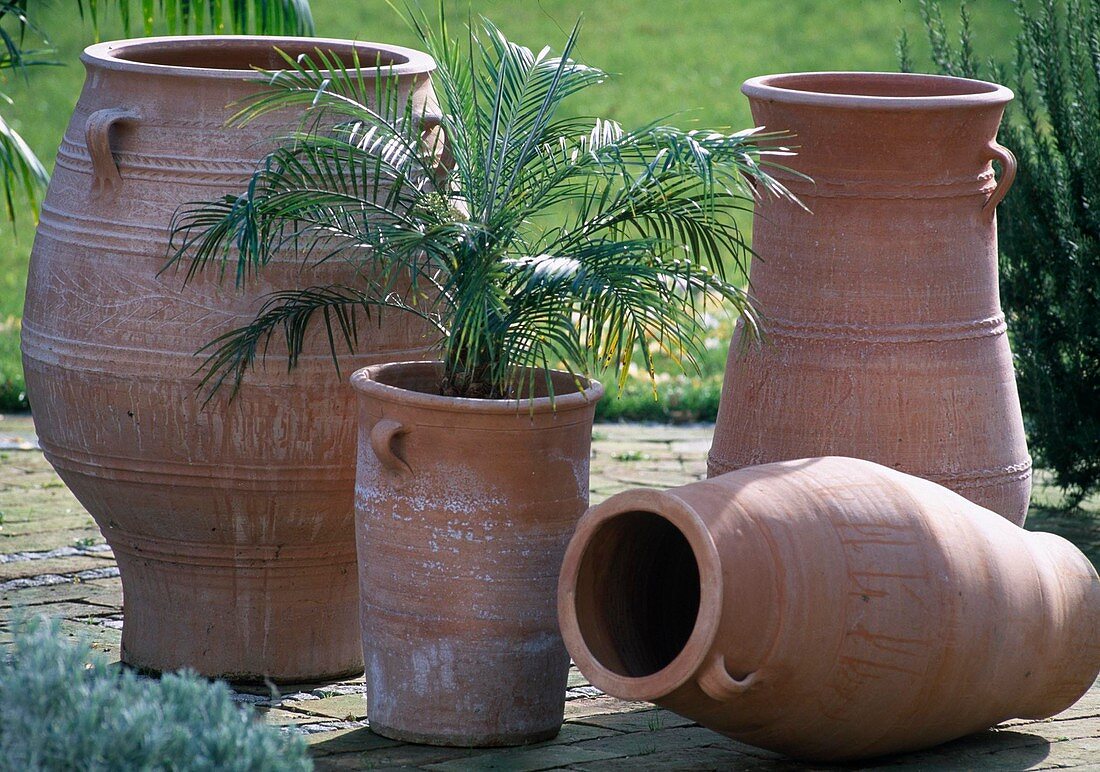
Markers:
828,608
232,524
463,511
884,333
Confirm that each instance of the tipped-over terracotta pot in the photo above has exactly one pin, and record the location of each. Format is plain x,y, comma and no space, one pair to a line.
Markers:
828,608
463,511
885,338
232,524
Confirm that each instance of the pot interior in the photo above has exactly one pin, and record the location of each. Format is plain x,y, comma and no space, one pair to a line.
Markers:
426,377
237,54
879,84
637,594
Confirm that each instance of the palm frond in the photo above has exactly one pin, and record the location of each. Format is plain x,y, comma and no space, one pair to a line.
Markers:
550,242
15,23
22,175
230,356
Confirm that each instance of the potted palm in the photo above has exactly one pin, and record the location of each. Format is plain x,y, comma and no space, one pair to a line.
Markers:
543,249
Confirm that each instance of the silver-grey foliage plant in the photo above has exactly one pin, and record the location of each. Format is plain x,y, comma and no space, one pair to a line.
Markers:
63,707
529,239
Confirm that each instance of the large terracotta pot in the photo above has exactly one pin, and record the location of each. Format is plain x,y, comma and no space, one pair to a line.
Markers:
232,523
463,511
884,333
828,608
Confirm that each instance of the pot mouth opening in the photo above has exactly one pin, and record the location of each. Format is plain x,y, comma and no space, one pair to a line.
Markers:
418,383
638,589
876,89
236,56
645,601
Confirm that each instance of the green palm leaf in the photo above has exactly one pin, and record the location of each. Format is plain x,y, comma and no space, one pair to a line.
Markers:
546,241
22,175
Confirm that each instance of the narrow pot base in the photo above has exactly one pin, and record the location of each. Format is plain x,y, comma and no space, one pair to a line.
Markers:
466,741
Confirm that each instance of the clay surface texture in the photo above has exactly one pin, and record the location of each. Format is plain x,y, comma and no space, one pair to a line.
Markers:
884,336
231,523
463,511
829,609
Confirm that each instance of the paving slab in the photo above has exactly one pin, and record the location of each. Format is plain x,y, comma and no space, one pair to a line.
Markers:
50,553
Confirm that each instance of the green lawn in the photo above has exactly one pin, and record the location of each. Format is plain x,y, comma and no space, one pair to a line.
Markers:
682,58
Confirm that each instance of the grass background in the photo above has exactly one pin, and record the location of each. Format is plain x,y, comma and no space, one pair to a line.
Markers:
680,58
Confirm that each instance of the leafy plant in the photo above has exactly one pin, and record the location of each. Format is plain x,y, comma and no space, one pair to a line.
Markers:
63,707
1049,224
526,239
22,175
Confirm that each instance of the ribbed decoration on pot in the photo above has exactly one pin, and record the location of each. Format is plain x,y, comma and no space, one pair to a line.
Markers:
828,608
231,523
884,336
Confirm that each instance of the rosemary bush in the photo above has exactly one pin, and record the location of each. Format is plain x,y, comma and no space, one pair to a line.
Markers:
1049,224
63,707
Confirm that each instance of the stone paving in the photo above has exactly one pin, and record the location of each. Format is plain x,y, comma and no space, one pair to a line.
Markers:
53,560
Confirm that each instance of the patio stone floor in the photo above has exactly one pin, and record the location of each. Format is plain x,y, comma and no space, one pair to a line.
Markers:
53,560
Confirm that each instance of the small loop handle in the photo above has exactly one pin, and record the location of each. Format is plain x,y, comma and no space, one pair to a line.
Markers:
1008,174
430,122
719,685
97,135
382,438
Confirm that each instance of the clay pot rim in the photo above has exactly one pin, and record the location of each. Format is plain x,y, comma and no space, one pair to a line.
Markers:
365,380
690,660
107,55
953,92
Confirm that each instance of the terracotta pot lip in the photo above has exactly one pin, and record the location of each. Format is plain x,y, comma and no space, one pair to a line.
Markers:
944,91
365,381
693,656
112,54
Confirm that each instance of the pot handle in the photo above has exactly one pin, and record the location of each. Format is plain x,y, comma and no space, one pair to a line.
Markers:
97,135
430,122
382,437
1008,174
719,685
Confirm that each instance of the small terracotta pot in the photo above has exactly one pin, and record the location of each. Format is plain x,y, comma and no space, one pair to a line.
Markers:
463,511
885,338
828,608
231,523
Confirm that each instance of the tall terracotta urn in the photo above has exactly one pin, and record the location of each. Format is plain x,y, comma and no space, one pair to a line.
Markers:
232,523
828,608
884,336
463,510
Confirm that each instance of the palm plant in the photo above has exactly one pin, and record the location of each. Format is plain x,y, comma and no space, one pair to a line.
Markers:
22,175
527,239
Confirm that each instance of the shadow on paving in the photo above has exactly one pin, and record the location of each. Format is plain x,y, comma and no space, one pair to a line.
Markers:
630,741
